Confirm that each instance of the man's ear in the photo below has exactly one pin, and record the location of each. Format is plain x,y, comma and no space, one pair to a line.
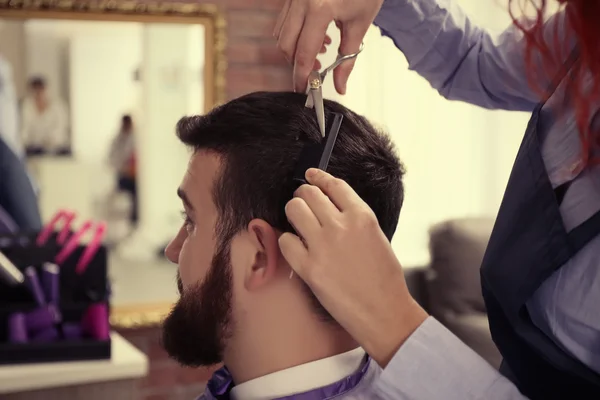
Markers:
264,266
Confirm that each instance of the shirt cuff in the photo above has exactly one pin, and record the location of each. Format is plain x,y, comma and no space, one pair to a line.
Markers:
435,364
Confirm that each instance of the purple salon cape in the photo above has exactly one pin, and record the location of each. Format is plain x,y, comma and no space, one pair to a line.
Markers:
358,386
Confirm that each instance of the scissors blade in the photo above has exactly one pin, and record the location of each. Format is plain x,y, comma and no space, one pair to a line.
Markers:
314,99
310,102
319,109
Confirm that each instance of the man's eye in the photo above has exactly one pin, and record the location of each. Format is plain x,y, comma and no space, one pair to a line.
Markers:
187,221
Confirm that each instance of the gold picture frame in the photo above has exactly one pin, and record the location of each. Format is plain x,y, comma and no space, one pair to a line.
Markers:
208,15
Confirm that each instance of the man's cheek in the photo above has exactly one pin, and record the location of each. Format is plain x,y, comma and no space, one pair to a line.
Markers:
191,271
185,272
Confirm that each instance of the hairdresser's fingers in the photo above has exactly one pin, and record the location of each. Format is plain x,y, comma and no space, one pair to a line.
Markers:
290,31
319,204
312,37
317,66
351,37
326,43
338,191
281,18
303,220
294,252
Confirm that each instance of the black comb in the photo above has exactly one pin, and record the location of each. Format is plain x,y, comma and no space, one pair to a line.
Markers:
317,155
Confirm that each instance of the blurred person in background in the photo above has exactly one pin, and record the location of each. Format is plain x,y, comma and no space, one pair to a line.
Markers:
44,121
122,158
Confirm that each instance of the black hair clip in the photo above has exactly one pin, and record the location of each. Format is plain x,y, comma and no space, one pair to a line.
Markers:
317,155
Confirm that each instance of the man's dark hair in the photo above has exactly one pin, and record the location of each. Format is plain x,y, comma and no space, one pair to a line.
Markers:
259,138
37,82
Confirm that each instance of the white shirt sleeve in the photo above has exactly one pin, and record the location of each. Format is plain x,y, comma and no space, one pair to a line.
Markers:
434,364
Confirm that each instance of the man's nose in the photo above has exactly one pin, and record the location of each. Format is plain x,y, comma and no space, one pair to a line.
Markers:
174,248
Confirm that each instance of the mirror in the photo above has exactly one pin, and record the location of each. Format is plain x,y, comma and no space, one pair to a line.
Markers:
93,91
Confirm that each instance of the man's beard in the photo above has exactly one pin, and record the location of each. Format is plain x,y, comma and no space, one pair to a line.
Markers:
197,327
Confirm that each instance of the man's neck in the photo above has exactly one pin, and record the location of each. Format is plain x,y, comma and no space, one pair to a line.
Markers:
288,345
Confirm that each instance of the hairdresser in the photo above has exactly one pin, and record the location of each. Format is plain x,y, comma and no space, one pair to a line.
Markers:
541,271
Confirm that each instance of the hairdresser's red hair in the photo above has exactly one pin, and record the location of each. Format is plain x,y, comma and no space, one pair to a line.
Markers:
583,28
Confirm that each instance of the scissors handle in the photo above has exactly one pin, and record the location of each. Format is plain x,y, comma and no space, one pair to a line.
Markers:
339,60
315,88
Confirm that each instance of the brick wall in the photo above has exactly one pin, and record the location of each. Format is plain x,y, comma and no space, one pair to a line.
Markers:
254,63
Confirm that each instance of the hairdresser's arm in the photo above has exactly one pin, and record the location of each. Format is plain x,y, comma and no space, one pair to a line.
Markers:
434,364
350,266
458,58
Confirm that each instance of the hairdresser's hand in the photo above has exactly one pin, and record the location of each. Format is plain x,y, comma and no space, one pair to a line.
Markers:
349,264
302,25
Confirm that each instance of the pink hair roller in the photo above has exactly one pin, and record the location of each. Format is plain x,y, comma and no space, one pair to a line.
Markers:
95,322
90,250
46,232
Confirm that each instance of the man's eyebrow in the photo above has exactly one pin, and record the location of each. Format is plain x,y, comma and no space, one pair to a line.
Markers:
183,196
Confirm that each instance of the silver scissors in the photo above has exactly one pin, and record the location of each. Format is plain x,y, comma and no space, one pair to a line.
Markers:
315,88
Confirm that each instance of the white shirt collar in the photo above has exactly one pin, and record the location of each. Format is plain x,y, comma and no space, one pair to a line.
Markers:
301,378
